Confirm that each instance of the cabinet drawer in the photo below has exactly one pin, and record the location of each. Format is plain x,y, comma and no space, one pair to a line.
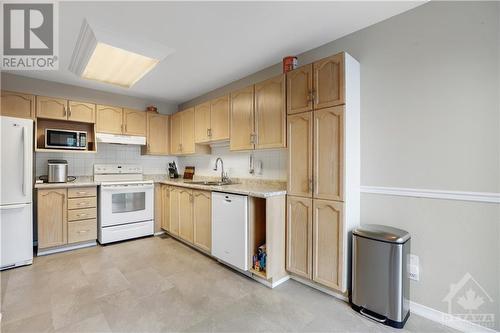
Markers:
81,231
78,203
79,192
82,214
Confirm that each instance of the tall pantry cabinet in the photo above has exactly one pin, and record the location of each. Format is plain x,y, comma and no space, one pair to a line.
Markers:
323,138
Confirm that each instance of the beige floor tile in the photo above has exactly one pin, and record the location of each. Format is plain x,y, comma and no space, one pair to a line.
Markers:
40,323
107,281
96,324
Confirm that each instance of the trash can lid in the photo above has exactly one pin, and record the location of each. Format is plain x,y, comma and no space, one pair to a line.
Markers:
382,233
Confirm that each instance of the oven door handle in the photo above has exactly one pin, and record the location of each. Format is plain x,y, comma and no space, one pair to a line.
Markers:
130,186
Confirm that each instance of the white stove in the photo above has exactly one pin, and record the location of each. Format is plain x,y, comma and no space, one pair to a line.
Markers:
126,202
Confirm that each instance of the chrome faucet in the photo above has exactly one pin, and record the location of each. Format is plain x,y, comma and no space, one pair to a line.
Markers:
223,176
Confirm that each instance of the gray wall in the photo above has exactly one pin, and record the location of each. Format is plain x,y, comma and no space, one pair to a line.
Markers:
430,119
48,88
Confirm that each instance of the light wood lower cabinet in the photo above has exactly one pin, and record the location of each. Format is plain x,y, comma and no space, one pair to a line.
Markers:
299,236
328,243
316,240
202,213
165,204
174,210
186,226
52,218
17,105
66,216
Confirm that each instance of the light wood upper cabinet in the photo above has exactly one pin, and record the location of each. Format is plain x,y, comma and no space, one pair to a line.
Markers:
134,122
17,105
51,108
299,89
174,210
158,138
175,133
329,153
328,243
82,112
329,82
202,122
186,226
270,113
299,236
242,119
219,118
109,119
300,154
202,216
187,132
52,217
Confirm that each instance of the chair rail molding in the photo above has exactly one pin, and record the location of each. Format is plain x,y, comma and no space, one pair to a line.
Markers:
487,197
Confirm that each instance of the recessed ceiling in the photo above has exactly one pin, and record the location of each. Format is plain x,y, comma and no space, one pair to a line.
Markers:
215,42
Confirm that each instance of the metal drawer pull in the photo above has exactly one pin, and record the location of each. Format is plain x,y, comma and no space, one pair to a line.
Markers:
83,231
82,192
83,214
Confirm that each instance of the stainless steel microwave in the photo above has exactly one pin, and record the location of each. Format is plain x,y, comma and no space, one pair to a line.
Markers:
65,139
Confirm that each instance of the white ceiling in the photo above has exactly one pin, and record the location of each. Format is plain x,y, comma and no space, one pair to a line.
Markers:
215,42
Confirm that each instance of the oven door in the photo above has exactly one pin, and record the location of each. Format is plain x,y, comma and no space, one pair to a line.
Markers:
125,203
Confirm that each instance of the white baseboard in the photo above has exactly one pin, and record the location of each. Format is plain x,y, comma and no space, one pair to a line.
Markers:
440,317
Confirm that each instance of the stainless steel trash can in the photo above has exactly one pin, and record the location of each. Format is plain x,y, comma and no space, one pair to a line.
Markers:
380,285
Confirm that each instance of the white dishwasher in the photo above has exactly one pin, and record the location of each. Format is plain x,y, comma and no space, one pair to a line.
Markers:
230,229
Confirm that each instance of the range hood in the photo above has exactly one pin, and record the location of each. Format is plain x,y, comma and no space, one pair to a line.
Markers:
121,139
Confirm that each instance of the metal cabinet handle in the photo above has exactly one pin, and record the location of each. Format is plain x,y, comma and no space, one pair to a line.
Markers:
69,111
64,111
83,214
209,132
83,231
252,138
310,185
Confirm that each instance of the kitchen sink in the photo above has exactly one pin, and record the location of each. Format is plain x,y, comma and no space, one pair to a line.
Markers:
210,183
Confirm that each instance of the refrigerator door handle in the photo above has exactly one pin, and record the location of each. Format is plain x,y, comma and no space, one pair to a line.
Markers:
25,150
18,206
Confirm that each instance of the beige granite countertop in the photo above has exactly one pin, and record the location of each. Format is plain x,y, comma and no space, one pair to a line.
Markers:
250,187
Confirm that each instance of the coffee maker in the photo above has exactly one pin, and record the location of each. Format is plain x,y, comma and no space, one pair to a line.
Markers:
172,170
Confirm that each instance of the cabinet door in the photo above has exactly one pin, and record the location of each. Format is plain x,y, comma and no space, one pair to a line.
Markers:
300,154
202,122
82,112
187,132
174,213
329,82
242,119
186,227
158,136
219,119
299,89
134,122
52,218
299,236
328,243
270,113
17,105
51,108
109,119
202,216
329,153
165,207
175,133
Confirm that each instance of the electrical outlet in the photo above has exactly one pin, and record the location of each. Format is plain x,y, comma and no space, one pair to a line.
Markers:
414,267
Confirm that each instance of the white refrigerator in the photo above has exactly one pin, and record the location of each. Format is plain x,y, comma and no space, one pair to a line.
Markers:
16,183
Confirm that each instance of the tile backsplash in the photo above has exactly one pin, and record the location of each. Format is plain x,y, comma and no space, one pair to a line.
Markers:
81,164
268,164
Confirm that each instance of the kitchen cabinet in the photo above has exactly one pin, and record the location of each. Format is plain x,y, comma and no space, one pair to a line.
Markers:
175,133
81,112
202,122
158,138
329,153
182,135
187,131
242,119
202,207
134,122
18,105
299,236
174,210
316,86
81,231
52,217
165,207
300,156
299,89
328,240
270,113
219,118
109,119
186,226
